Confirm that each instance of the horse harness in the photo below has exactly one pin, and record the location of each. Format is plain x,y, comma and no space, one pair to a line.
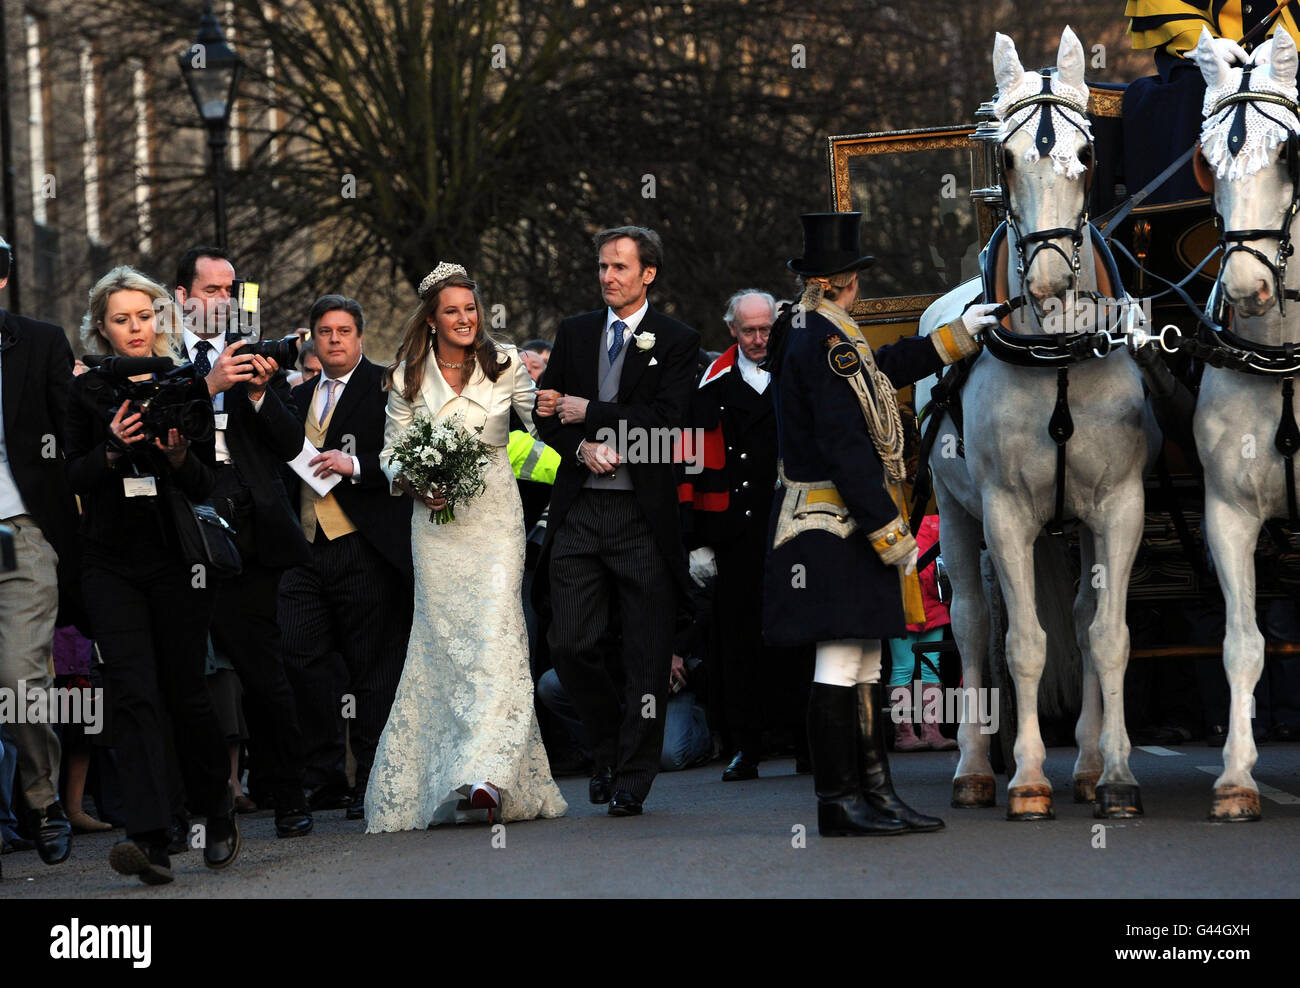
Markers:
1047,350
1214,343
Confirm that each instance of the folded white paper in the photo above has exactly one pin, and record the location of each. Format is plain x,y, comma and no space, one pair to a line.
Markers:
299,464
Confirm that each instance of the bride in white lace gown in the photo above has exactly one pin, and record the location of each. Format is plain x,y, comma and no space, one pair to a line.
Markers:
463,713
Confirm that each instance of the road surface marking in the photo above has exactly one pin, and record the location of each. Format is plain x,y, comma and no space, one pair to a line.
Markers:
1155,749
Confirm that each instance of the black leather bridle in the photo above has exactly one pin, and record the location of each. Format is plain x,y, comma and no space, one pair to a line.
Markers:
1233,241
1044,141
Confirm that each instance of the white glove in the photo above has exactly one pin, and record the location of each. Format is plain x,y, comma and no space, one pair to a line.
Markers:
703,565
1230,51
980,317
909,564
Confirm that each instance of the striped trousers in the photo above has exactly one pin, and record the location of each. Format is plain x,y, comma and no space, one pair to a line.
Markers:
603,555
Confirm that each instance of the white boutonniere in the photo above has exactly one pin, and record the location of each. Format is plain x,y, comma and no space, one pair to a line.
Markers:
644,341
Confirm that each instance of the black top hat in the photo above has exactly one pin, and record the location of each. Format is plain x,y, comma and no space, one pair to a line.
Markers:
830,245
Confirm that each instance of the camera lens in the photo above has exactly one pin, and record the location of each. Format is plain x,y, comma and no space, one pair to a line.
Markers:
284,352
196,422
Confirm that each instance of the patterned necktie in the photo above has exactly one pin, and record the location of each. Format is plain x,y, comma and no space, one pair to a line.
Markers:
201,362
617,345
329,400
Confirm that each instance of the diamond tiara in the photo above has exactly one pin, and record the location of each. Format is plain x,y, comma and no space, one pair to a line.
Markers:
443,271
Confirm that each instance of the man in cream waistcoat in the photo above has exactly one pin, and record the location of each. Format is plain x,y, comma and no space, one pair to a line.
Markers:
346,615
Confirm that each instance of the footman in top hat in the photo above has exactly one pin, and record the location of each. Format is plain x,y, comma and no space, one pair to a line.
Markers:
842,561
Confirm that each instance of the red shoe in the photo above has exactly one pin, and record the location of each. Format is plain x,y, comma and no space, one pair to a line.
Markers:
484,796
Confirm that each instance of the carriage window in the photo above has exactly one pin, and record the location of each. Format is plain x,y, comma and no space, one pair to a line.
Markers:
918,220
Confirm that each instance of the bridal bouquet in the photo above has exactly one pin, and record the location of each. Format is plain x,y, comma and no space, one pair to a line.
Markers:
444,457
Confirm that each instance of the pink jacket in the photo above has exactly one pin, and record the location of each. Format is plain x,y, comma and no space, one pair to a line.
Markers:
936,612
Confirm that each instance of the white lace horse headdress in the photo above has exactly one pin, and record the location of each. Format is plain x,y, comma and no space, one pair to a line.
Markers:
1239,137
1066,113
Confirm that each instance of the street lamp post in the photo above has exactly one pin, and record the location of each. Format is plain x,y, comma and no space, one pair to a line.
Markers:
212,71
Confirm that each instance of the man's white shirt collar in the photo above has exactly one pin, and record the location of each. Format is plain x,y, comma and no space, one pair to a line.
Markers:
192,340
754,376
632,322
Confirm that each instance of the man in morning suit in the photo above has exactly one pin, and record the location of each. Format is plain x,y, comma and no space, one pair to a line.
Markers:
256,431
619,379
36,505
345,616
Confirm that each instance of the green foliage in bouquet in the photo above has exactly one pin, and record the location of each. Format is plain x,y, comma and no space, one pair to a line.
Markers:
442,457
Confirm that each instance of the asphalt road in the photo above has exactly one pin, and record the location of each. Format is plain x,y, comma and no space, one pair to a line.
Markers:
701,838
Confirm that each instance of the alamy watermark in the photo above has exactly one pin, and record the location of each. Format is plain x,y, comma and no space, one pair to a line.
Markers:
1084,314
53,705
955,705
655,445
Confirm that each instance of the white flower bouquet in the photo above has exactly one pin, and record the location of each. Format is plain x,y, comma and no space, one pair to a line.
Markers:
442,457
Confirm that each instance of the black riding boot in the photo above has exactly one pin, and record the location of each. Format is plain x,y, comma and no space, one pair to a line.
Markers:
873,765
842,809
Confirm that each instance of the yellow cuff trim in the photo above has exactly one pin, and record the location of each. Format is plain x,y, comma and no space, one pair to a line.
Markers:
893,542
953,342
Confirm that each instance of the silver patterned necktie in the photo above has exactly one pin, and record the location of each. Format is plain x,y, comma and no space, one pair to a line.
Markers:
329,399
617,345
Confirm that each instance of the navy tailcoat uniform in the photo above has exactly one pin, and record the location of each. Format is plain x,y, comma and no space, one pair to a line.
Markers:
827,581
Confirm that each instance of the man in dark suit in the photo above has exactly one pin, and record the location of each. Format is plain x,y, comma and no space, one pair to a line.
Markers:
614,398
346,615
36,505
256,431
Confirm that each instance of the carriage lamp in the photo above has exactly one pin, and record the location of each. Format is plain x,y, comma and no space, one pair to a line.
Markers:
988,144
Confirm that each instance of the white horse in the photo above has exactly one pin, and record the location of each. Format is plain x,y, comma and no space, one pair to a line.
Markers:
1004,490
1250,168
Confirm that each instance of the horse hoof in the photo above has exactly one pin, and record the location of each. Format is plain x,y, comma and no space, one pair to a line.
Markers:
974,792
1118,801
1030,803
1235,804
1085,787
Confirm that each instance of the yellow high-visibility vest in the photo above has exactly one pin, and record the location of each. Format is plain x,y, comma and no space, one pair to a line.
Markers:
532,459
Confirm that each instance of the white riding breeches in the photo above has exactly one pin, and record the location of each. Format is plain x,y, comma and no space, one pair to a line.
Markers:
848,661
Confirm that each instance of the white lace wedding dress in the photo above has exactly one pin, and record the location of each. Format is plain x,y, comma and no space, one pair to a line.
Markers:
464,706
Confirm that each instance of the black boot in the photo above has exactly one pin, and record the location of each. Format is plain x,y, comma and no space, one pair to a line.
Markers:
53,833
222,841
842,810
877,786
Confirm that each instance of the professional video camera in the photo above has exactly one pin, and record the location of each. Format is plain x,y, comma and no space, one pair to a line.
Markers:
165,401
244,326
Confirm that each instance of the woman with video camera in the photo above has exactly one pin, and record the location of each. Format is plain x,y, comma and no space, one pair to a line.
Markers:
149,609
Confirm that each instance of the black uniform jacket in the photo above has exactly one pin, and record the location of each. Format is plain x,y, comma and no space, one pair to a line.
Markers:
828,583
